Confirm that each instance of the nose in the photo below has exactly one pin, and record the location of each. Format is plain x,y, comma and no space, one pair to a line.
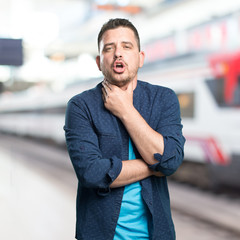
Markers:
118,52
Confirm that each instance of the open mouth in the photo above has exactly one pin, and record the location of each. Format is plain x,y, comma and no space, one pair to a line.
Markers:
119,67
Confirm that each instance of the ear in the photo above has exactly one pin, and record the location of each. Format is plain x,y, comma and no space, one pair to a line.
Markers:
98,62
141,58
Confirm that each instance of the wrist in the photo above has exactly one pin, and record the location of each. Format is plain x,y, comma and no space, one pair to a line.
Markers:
128,114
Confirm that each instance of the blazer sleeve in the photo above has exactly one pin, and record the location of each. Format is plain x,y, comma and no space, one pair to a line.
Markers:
170,127
92,169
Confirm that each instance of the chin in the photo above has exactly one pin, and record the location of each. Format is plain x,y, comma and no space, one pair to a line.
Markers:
120,83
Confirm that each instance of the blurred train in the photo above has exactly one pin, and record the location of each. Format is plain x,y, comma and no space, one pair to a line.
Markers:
208,88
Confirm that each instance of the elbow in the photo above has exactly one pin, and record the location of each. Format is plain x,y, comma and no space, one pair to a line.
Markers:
90,176
99,174
167,164
90,179
167,171
101,189
88,183
102,185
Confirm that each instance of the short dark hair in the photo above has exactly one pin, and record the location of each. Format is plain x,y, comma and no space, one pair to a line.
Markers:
115,23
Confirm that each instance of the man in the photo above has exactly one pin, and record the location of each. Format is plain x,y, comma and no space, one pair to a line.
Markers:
124,137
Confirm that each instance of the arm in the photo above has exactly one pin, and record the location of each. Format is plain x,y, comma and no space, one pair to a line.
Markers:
161,147
133,171
92,169
146,140
169,125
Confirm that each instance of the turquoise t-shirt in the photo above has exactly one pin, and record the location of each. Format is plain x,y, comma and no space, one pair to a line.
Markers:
133,218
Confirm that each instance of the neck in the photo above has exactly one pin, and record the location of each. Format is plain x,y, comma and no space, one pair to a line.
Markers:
134,82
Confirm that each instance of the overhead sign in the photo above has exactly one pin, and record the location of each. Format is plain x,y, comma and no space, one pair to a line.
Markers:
11,52
218,35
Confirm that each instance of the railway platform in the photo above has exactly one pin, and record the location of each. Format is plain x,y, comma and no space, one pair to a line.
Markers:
38,189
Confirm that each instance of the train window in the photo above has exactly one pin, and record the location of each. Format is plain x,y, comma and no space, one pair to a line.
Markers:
186,101
54,110
216,87
224,97
236,97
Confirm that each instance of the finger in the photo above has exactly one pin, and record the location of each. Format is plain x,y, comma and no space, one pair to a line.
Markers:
103,98
105,89
107,84
104,94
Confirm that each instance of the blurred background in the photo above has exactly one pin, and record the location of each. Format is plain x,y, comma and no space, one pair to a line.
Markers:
47,55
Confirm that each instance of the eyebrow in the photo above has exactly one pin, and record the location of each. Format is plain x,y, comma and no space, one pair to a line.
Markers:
125,42
108,44
112,43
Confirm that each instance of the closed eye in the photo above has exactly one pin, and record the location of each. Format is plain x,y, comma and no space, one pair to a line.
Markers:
108,47
127,45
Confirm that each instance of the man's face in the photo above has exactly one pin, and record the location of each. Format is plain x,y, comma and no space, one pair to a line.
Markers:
119,57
